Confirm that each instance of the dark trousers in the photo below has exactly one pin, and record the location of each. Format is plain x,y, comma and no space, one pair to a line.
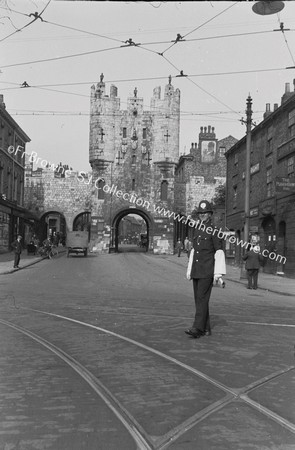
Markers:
16,259
252,278
202,291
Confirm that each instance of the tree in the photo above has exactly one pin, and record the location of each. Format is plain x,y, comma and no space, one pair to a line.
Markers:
219,197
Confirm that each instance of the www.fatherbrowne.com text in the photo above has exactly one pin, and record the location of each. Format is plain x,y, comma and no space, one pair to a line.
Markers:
198,224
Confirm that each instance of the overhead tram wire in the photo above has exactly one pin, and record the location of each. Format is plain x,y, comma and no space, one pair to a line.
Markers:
182,38
181,74
221,36
56,58
64,26
35,15
282,29
129,80
213,96
83,31
91,33
183,115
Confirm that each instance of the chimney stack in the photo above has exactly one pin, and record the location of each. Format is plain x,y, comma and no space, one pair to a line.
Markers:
2,104
287,93
267,111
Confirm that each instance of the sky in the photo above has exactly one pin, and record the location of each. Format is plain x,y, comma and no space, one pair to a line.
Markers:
226,51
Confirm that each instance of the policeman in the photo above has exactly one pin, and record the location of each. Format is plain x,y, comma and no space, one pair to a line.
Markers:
206,263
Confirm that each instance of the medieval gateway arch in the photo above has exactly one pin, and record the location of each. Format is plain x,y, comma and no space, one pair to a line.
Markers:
133,154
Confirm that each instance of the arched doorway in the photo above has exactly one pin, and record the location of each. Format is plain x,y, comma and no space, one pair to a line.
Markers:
269,238
82,222
131,231
52,223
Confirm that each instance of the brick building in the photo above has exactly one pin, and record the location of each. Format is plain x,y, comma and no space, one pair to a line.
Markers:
198,174
272,186
133,154
14,218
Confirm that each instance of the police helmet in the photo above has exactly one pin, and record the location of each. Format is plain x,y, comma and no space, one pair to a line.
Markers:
204,207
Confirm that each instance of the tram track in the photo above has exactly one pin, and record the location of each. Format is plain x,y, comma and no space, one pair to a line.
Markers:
144,440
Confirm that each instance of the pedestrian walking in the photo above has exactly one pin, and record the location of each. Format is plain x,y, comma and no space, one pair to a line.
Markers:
206,264
253,260
16,245
178,247
188,247
186,244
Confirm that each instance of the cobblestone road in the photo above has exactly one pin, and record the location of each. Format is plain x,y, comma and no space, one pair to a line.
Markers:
94,356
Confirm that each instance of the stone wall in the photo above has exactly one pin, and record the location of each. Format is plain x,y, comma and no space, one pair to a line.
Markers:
70,196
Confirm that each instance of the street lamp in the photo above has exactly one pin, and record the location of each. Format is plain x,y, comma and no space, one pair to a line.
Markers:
265,8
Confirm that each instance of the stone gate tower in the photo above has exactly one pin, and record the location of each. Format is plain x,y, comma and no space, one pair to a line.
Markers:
133,154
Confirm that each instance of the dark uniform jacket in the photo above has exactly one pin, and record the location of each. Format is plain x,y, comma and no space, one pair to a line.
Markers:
205,245
16,245
253,260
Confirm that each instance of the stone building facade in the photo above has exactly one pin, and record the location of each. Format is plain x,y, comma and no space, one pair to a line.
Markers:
60,200
198,174
14,218
272,186
133,154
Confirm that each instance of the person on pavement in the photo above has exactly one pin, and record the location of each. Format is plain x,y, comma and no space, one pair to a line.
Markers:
178,247
47,244
206,264
253,260
16,245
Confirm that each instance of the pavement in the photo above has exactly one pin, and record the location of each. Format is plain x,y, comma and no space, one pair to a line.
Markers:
269,282
7,260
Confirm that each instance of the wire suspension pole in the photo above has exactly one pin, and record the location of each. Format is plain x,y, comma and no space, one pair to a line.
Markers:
247,179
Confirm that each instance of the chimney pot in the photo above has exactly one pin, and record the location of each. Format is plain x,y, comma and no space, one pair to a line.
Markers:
275,106
287,87
267,107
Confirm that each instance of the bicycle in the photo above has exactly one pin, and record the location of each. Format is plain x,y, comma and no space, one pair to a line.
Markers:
53,252
49,252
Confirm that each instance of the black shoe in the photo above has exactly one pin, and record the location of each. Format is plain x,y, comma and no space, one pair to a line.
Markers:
190,331
207,333
196,334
